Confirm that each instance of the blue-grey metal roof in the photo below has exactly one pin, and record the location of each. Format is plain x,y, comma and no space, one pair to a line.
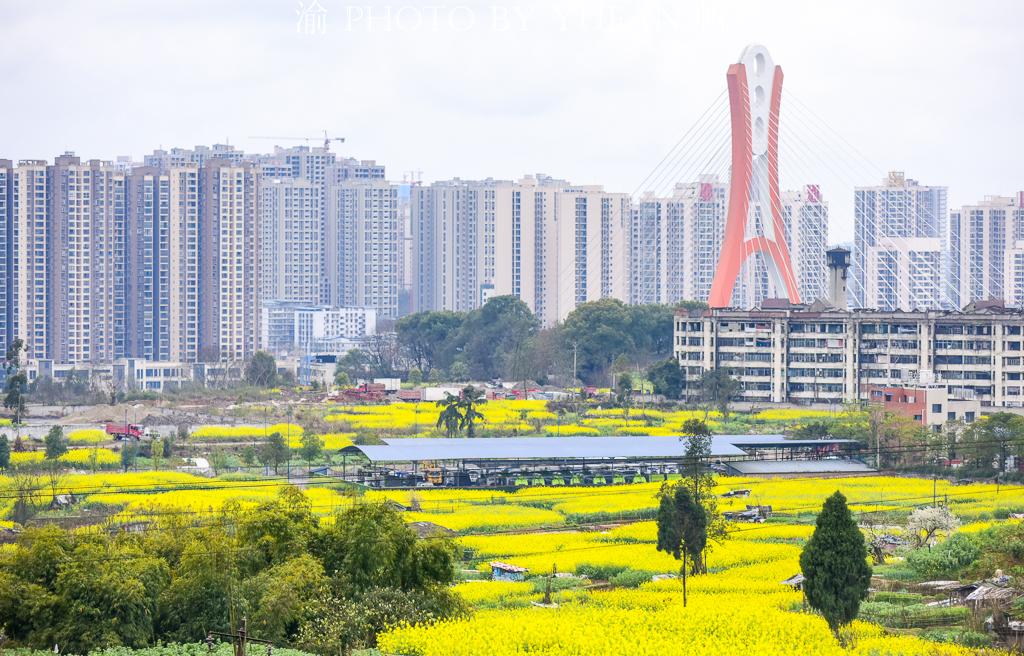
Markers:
826,466
550,448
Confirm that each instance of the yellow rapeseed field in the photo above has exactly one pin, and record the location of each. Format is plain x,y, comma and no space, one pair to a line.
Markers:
241,433
88,436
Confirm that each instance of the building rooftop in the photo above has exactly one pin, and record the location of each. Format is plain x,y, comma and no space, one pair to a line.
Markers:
565,448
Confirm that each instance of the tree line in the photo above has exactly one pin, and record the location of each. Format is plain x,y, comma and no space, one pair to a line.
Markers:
503,339
322,588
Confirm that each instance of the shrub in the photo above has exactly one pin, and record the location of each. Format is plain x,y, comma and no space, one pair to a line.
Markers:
898,598
961,637
946,560
902,616
630,578
599,571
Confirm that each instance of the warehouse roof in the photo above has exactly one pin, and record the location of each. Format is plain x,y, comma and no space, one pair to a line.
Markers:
555,448
825,466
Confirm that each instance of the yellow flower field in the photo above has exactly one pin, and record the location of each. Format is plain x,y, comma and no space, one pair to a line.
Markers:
87,457
26,457
332,441
88,436
81,458
233,433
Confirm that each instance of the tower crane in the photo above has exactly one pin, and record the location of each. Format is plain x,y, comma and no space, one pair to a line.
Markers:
327,139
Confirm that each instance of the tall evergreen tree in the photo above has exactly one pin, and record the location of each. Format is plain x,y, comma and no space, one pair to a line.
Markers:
834,564
5,452
682,527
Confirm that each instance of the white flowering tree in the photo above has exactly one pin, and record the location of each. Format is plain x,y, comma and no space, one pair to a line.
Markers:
924,523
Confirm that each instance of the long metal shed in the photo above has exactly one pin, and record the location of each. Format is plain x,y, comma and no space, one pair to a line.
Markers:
543,448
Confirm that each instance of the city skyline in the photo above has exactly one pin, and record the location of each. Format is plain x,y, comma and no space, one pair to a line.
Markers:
589,126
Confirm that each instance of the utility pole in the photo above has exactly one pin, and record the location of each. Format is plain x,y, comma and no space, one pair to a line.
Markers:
240,640
574,348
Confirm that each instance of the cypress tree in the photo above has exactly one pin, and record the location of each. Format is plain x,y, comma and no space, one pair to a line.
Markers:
834,564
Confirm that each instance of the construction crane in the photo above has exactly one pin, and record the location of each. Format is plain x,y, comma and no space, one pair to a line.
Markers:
327,139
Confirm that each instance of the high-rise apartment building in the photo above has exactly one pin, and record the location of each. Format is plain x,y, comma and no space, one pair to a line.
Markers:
8,289
86,223
183,265
291,238
805,216
675,242
148,263
362,245
228,262
455,223
899,250
198,156
549,243
29,262
986,244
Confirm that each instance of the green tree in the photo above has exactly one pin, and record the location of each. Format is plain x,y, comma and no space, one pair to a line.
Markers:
682,527
56,443
667,378
249,455
5,452
341,378
312,446
813,430
993,438
370,546
274,452
218,460
719,389
601,331
701,482
492,335
415,377
129,452
16,385
261,370
107,597
276,598
427,338
202,593
471,399
459,371
276,531
450,417
355,364
834,565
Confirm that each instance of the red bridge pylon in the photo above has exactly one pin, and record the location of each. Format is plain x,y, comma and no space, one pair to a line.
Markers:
755,93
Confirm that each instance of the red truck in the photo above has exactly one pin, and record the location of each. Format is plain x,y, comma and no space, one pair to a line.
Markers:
125,431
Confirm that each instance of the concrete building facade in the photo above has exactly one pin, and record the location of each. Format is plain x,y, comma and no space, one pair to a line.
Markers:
289,328
900,250
228,262
986,244
552,244
820,354
291,240
362,246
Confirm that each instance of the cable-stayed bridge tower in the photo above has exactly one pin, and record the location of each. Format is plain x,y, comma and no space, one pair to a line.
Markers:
754,224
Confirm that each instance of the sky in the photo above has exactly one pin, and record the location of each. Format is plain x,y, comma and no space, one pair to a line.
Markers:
590,91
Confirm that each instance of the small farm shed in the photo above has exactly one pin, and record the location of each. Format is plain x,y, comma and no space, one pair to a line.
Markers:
507,572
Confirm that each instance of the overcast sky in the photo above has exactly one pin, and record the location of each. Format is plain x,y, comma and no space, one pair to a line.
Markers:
594,92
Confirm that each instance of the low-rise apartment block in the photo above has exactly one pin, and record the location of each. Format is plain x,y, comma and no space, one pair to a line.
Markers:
817,353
